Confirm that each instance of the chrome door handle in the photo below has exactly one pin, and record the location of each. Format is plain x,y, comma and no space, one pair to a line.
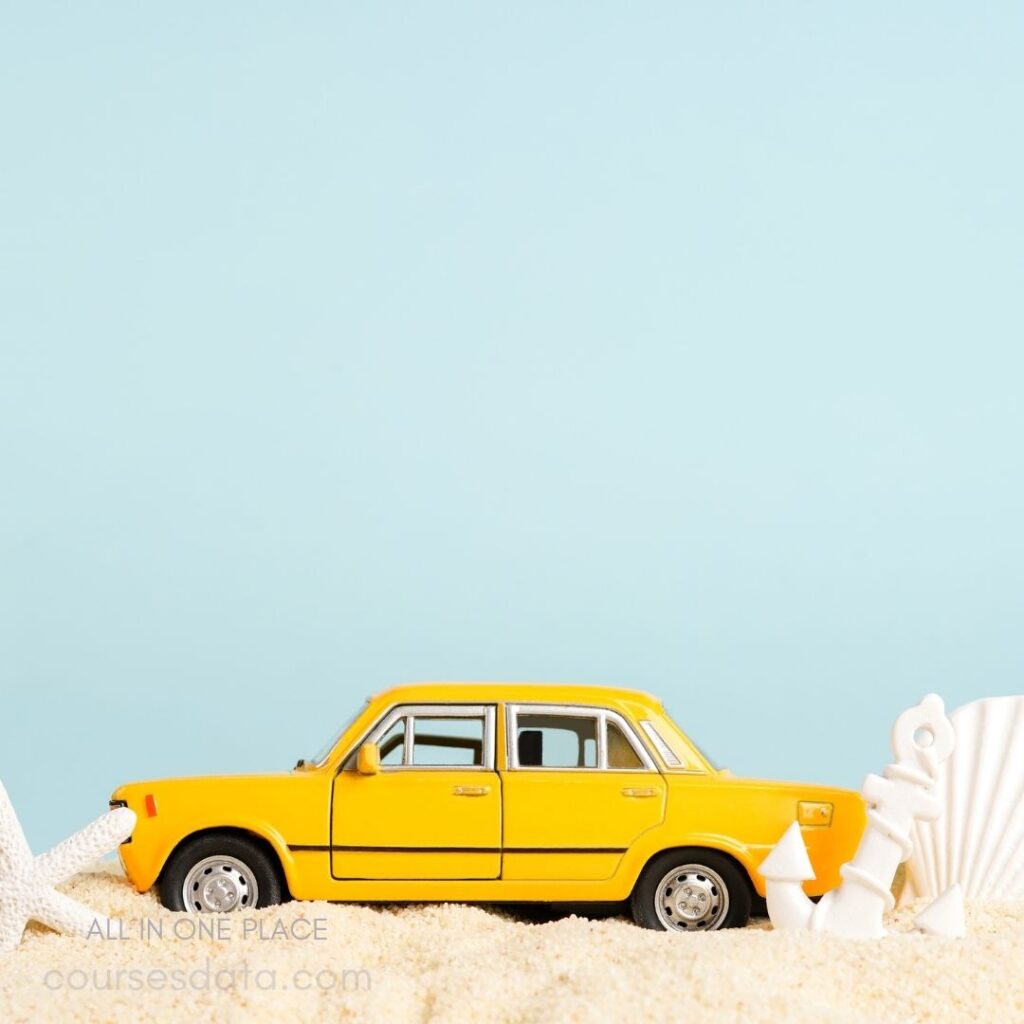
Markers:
471,790
639,794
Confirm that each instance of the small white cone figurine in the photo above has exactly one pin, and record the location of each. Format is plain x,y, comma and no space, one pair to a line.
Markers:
27,883
786,868
945,916
922,738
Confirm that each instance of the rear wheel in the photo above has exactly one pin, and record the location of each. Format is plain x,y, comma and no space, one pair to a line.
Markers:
220,873
691,890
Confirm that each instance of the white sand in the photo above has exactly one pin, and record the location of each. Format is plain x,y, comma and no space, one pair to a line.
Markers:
457,963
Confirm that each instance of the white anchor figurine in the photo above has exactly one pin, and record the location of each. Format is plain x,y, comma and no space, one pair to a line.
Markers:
922,738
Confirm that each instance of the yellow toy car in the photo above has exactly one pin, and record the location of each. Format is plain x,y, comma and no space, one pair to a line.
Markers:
488,793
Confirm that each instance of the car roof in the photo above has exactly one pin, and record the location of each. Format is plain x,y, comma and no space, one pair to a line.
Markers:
552,693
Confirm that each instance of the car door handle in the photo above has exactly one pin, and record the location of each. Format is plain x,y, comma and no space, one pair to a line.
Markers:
471,790
639,794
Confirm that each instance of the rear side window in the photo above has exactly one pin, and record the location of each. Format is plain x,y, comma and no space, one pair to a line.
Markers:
556,741
621,754
567,738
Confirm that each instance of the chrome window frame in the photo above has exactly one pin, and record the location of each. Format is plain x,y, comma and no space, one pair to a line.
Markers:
684,767
600,714
661,745
410,713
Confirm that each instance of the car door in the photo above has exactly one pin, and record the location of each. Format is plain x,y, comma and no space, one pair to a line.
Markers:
434,808
578,788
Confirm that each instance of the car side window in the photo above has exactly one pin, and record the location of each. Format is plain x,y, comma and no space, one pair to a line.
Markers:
392,744
433,736
439,741
560,738
556,741
621,754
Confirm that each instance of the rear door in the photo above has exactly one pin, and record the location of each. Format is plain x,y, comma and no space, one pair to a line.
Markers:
579,788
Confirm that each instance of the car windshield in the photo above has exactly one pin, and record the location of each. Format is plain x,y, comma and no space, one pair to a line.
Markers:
324,751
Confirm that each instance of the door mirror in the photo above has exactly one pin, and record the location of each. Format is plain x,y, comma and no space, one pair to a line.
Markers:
368,759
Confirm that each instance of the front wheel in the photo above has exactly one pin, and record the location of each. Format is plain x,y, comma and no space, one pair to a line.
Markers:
691,890
220,873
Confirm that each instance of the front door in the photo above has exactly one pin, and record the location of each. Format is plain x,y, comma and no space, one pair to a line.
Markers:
579,789
434,808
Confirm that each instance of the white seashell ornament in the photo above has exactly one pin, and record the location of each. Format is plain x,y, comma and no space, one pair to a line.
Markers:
978,840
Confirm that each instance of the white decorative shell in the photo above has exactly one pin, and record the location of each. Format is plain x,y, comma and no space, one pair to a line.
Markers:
978,839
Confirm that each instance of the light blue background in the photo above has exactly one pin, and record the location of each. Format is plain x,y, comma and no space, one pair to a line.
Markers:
672,346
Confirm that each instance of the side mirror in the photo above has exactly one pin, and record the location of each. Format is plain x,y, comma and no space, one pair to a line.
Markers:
368,759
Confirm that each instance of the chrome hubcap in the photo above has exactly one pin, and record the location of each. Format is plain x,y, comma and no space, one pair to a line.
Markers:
219,885
691,898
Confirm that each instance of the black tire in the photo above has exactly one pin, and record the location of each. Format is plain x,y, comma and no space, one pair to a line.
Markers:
722,872
265,869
